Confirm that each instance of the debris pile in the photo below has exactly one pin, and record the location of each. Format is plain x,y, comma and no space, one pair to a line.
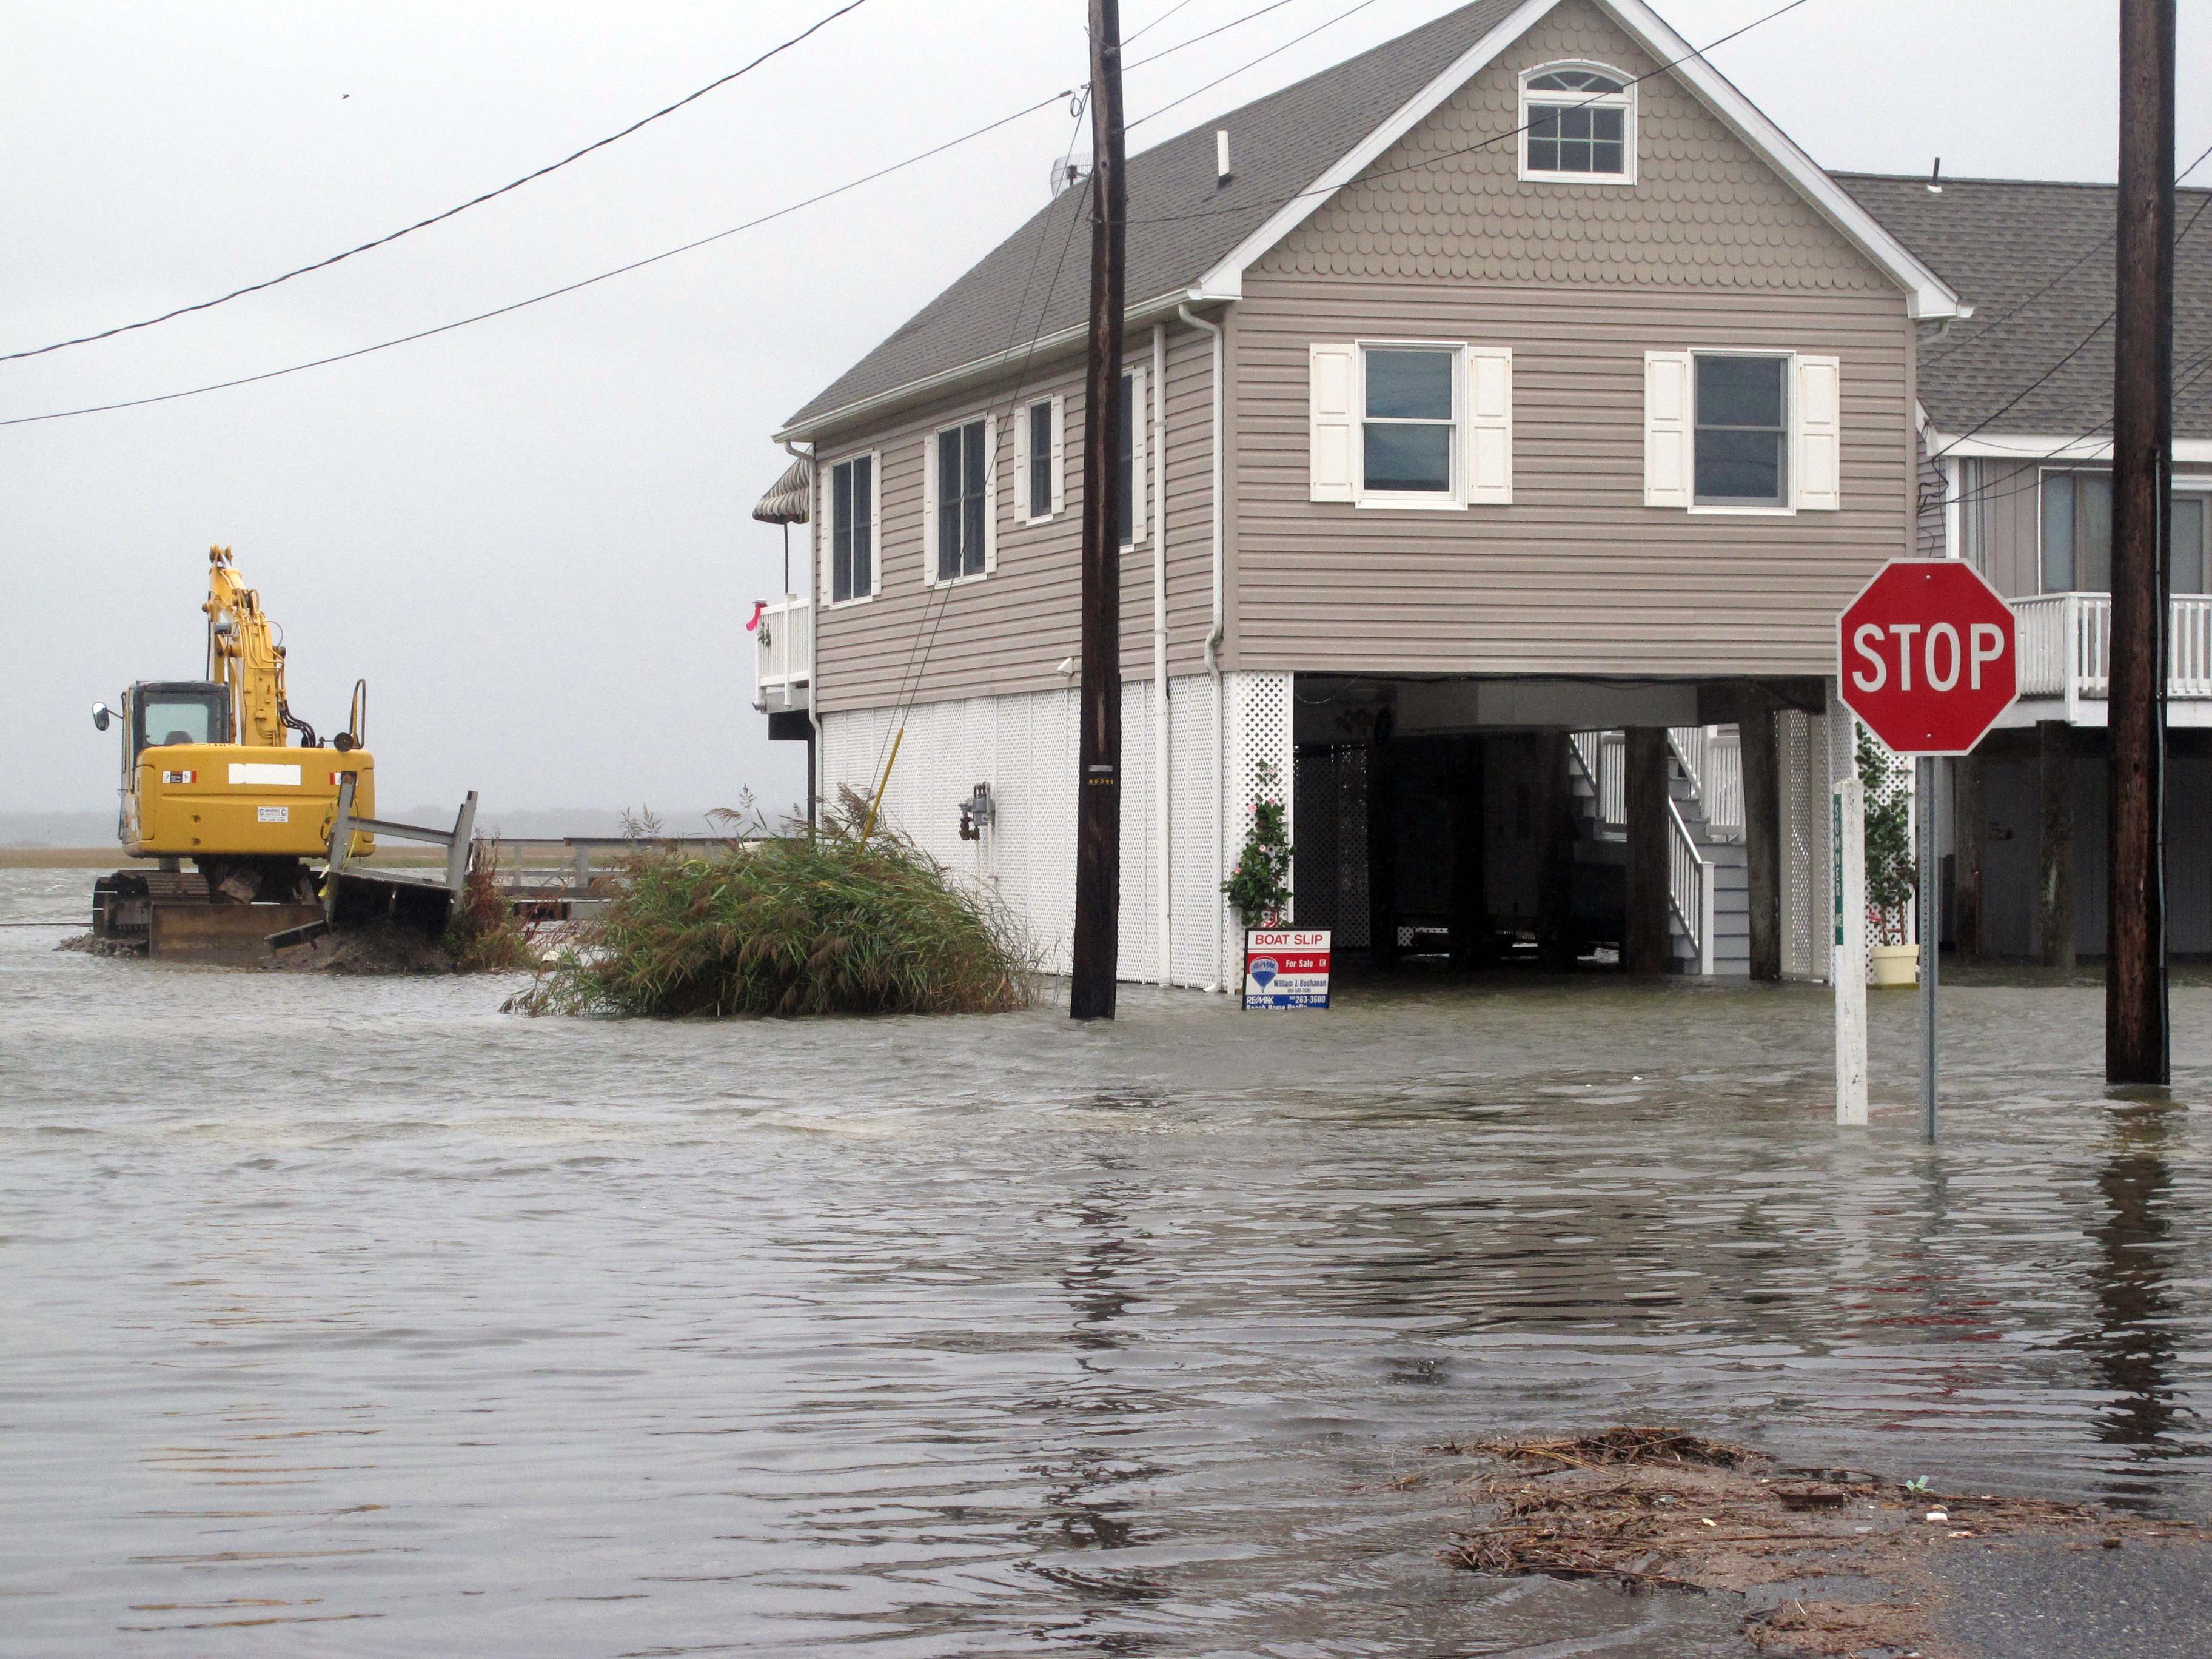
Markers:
1648,1508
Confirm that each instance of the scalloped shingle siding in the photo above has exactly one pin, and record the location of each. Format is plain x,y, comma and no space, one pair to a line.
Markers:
1704,212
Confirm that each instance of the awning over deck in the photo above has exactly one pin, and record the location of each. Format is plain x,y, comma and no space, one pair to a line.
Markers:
786,499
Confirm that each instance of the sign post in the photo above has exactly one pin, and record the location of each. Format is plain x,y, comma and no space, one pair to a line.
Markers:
1849,955
1927,656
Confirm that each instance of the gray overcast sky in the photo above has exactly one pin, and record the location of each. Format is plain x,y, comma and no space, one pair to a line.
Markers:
532,536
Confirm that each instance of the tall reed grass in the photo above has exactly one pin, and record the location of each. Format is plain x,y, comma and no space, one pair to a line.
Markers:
799,923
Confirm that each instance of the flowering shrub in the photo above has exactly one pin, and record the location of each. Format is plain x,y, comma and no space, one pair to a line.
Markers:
1258,887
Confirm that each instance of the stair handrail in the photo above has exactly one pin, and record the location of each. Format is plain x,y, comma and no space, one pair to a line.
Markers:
1687,743
1688,869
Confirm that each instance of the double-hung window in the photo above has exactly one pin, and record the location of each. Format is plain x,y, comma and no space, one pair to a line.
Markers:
1412,423
1742,432
958,506
854,513
2077,536
1039,461
1407,425
1578,125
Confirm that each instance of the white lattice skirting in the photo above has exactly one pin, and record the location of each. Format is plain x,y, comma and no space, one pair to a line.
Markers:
1024,747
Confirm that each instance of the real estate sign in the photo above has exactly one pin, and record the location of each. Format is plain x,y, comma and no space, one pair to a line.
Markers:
1286,967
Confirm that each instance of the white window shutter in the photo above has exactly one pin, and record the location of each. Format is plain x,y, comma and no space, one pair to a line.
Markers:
1058,453
1666,431
1022,464
1139,496
929,512
990,493
875,521
1489,426
821,536
1816,434
1329,407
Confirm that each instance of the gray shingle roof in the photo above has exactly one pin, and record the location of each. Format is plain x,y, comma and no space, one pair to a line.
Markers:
1181,223
1999,241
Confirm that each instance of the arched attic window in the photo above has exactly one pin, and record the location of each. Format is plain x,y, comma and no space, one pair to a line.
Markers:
1578,125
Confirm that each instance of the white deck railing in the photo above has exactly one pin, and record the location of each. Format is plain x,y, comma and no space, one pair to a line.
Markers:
783,654
2065,642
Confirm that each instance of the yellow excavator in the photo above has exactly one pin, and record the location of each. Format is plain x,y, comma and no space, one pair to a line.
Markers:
212,775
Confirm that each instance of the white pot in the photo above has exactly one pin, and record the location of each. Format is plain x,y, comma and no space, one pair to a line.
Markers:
1895,966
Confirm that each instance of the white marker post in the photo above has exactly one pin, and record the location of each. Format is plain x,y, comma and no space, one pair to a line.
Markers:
1849,957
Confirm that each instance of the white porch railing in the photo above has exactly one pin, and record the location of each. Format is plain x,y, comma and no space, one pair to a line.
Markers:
2065,643
783,654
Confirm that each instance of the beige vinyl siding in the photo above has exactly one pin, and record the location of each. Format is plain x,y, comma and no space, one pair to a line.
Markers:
1999,523
2002,519
1577,576
1441,240
1007,631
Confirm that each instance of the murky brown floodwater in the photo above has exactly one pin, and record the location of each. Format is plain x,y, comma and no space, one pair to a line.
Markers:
356,1303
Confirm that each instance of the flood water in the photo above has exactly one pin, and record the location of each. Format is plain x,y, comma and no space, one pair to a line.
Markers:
354,1316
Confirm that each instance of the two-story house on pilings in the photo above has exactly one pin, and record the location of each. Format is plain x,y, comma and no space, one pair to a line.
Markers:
1514,408
2016,408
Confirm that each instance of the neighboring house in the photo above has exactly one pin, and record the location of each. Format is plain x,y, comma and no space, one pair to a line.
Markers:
1498,489
2017,419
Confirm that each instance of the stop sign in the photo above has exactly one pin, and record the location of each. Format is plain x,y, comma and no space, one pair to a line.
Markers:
1929,656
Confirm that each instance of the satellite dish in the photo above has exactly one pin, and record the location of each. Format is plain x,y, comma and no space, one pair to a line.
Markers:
1065,172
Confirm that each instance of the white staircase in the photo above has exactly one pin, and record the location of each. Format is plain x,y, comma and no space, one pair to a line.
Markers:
1708,890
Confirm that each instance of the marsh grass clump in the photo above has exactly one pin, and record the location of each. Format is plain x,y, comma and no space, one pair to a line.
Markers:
825,922
484,935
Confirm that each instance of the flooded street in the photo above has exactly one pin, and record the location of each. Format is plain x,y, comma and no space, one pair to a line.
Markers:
353,1317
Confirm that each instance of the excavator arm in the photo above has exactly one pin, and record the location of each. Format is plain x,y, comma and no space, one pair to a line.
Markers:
244,657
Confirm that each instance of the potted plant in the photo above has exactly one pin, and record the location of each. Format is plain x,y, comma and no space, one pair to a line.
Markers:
1893,873
1258,887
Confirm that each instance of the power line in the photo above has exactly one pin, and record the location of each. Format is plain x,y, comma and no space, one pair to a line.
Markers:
619,270
1155,23
436,218
553,293
1429,160
902,703
1996,323
2187,373
1329,22
2079,347
1220,28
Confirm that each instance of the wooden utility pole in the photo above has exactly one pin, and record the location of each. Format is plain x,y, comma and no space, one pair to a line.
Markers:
2136,1046
1645,944
1098,809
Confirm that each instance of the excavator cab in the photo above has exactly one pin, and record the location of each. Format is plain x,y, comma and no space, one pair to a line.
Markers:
162,713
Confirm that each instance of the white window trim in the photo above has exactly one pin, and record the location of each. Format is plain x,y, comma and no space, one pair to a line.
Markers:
1624,99
1405,501
1026,511
1786,508
929,576
828,573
